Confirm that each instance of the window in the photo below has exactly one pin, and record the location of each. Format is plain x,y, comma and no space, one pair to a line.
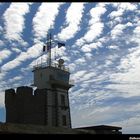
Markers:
64,121
41,75
62,100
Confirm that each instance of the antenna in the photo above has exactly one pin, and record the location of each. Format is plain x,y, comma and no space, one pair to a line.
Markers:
49,44
55,54
49,38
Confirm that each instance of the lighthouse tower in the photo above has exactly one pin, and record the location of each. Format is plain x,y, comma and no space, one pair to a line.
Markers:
47,105
54,79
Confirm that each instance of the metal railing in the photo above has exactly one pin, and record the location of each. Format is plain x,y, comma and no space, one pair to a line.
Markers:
55,65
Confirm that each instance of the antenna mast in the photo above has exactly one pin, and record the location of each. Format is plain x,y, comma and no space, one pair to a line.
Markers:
49,48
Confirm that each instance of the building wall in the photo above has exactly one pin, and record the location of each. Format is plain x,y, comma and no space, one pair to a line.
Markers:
63,107
42,106
42,76
24,107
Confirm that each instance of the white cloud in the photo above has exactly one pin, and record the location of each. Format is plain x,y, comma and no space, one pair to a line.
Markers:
122,115
73,19
130,125
88,116
86,48
110,59
136,35
125,90
32,52
130,64
93,86
95,25
72,67
44,19
96,13
15,79
14,21
1,43
80,61
128,86
113,47
127,77
2,95
88,56
87,76
121,8
1,29
90,36
2,75
115,21
10,65
117,30
133,107
2,87
39,60
89,47
137,31
78,74
62,51
4,54
116,16
15,49
108,62
127,6
129,24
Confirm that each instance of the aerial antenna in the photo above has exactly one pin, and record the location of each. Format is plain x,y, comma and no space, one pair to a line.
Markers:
48,46
49,38
55,54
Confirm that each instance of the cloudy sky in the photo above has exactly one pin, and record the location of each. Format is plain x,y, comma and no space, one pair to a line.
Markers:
102,51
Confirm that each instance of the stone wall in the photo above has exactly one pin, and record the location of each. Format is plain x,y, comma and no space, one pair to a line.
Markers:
41,106
25,106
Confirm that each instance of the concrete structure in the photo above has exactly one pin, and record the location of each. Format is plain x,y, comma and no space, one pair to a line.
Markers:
102,129
47,105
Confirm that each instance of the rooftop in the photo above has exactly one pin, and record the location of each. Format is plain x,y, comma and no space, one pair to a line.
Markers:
101,127
54,65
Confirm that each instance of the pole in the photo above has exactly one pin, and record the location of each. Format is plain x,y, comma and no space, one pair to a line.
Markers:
49,49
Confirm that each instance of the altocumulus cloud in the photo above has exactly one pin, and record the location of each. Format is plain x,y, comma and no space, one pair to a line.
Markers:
102,51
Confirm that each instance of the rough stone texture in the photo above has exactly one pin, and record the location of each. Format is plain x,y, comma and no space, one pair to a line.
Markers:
41,107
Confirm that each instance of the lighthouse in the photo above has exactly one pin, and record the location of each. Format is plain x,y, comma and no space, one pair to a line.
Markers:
49,104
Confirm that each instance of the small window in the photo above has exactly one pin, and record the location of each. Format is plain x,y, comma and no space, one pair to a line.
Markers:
41,75
64,121
62,100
